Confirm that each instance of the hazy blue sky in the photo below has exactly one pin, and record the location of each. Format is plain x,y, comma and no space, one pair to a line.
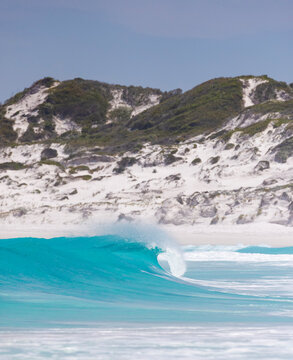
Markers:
159,43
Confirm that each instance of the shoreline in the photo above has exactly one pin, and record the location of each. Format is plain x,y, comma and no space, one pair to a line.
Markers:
248,234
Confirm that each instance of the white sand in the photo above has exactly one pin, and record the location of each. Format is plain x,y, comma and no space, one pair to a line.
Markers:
248,90
248,234
231,190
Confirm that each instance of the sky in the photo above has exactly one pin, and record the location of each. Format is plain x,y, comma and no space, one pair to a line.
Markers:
165,44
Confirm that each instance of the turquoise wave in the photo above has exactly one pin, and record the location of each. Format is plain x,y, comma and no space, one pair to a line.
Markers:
89,280
267,250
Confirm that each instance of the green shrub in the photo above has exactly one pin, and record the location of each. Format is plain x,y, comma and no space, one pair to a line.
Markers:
255,128
124,163
82,101
278,122
74,170
217,134
170,159
46,81
196,161
284,150
7,134
283,107
201,109
137,95
30,135
267,91
12,166
86,177
17,97
250,130
121,114
229,146
51,162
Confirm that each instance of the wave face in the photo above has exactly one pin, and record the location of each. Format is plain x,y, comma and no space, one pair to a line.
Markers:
90,280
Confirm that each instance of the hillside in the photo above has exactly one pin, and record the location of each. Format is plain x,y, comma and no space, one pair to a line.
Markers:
220,153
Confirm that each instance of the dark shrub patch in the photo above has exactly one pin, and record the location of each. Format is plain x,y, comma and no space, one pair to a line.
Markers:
12,166
51,162
7,134
48,154
121,114
170,159
204,108
174,177
262,165
284,151
124,163
214,160
30,135
196,161
46,81
229,146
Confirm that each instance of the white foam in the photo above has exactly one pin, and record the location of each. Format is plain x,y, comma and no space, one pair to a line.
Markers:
281,259
268,286
219,342
208,247
175,260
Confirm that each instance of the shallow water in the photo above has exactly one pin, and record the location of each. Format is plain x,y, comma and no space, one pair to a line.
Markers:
128,297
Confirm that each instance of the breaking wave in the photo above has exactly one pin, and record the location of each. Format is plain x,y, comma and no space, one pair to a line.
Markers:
116,278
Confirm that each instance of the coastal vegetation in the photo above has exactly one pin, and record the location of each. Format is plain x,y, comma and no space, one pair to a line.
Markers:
175,117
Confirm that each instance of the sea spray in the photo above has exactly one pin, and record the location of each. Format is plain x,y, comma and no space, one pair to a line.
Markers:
153,237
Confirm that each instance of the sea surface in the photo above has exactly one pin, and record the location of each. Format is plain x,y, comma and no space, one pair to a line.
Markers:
140,296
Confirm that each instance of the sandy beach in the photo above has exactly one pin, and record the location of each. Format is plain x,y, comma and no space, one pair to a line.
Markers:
249,234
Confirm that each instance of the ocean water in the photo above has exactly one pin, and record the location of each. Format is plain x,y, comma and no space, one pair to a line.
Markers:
137,296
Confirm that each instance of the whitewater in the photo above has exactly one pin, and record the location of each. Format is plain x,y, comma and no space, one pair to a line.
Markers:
137,294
